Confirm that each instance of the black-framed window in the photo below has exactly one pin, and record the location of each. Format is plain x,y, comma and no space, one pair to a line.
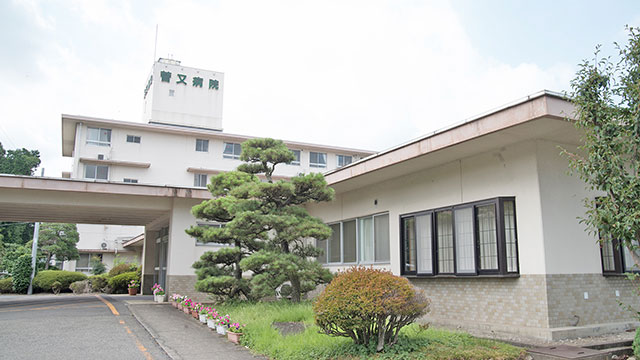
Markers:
616,258
364,240
133,139
478,238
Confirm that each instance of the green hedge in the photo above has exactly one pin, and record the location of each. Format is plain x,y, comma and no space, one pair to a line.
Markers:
46,278
99,282
119,284
6,285
121,269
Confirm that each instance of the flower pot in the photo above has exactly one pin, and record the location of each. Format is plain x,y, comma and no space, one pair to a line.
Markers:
160,298
211,324
133,291
179,306
186,310
202,318
194,314
174,304
220,329
234,337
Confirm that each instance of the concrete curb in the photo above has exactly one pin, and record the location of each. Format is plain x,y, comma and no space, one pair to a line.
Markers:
166,348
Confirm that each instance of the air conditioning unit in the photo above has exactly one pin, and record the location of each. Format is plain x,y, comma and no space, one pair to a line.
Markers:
103,246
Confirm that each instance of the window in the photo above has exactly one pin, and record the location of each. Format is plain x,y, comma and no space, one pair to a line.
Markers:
231,151
318,160
468,239
83,264
616,258
202,145
343,160
130,181
99,136
98,172
362,240
200,180
133,139
296,154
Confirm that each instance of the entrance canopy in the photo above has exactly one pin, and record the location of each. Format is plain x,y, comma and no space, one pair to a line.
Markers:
26,198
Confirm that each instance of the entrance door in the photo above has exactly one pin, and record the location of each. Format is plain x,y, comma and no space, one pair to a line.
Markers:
160,271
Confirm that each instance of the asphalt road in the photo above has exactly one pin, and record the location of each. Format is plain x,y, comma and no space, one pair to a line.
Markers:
72,327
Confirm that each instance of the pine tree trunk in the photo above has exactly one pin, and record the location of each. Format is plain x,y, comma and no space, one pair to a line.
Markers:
295,289
46,265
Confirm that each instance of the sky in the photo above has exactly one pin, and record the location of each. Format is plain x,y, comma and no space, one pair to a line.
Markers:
362,74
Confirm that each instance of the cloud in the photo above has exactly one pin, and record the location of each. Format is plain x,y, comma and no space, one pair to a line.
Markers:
363,74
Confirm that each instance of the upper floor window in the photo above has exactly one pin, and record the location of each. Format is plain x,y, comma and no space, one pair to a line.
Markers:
202,145
232,151
200,180
130,181
99,172
296,155
133,139
99,136
317,159
344,160
363,240
467,239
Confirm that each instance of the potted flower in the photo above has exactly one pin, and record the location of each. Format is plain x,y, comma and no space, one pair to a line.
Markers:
212,319
202,314
133,287
235,332
195,309
223,323
186,306
174,300
158,293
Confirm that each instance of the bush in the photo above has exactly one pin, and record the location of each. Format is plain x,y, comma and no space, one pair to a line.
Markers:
97,267
121,269
22,274
99,283
120,283
6,285
368,305
80,287
636,344
45,279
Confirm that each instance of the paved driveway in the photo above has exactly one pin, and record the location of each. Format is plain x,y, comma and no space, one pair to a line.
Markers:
73,327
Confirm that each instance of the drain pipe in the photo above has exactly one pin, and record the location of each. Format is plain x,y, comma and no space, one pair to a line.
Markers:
34,253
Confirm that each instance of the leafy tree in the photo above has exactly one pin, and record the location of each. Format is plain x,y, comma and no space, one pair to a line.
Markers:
21,274
606,96
15,232
58,240
266,224
9,255
18,161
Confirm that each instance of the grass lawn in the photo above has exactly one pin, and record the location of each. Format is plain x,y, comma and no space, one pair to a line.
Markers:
413,343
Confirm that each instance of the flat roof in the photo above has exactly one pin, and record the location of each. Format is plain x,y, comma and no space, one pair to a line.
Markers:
69,134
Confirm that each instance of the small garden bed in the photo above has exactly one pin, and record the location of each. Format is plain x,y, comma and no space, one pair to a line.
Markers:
414,342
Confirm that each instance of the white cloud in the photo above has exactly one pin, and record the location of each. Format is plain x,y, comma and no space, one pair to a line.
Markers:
366,74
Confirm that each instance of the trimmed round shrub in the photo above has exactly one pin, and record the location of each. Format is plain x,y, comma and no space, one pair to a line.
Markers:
21,274
368,305
45,279
120,283
6,285
99,283
122,268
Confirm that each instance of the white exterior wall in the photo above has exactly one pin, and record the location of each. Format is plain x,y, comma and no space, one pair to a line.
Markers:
510,171
569,248
188,105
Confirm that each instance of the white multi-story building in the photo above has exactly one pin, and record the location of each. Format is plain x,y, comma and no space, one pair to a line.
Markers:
181,144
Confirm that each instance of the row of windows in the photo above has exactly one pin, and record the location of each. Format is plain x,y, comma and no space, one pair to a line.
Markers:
468,239
364,240
102,137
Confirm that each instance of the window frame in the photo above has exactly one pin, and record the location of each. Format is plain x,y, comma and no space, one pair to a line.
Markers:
204,145
317,164
341,163
358,261
99,142
130,181
618,260
296,162
232,156
133,139
502,269
95,172
197,178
